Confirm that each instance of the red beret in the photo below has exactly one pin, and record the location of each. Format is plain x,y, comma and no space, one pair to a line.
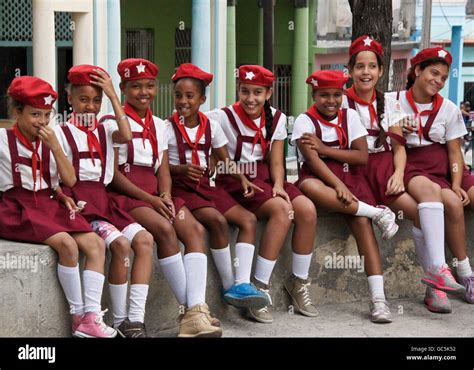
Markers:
327,79
80,75
428,53
136,69
365,43
255,75
32,91
193,71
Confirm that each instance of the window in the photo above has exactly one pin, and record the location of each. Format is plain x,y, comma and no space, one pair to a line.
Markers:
139,44
182,41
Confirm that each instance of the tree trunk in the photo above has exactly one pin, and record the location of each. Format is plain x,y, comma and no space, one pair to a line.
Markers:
374,18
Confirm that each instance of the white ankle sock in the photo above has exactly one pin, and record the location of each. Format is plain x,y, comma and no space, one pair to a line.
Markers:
93,285
432,223
463,268
376,287
223,261
118,302
195,266
173,270
243,266
301,263
138,295
70,281
263,269
366,210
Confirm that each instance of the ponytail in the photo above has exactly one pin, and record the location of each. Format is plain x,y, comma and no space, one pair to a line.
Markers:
268,119
382,137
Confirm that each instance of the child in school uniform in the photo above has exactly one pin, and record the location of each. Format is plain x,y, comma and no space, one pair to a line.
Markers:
191,140
382,116
256,134
89,146
142,187
434,171
332,142
31,160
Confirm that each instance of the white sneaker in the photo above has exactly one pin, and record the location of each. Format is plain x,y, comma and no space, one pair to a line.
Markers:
379,311
385,221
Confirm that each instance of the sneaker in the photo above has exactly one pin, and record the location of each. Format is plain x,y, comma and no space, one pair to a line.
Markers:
129,329
196,323
213,320
298,289
262,315
468,283
385,221
437,301
246,295
92,326
75,322
379,311
441,278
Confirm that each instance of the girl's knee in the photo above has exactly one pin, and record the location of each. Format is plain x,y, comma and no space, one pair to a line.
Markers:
142,243
305,212
120,247
68,249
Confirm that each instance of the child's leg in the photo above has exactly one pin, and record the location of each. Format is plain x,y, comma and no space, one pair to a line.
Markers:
169,254
470,192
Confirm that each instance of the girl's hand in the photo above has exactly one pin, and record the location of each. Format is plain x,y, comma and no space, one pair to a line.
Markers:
409,125
212,165
395,184
280,192
249,188
68,202
193,171
169,203
162,208
49,138
461,194
344,195
104,81
313,142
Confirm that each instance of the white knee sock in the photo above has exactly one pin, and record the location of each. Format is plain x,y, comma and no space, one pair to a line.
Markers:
420,248
263,269
93,285
463,268
432,223
223,261
118,302
376,287
366,210
138,295
173,270
195,266
70,281
243,266
301,263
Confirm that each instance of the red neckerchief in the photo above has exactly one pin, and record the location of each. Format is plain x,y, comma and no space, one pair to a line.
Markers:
146,133
341,135
437,102
201,130
251,125
351,93
92,141
35,157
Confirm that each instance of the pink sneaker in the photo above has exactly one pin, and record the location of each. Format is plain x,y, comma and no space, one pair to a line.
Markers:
92,326
437,301
75,322
441,278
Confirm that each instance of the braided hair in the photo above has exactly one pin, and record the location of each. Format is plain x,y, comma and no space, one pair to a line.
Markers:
268,123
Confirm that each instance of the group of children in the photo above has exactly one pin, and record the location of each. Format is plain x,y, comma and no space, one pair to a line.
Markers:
130,179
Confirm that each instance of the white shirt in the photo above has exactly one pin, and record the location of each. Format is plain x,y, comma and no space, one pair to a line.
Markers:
87,170
448,124
247,155
6,178
218,140
143,152
303,124
392,115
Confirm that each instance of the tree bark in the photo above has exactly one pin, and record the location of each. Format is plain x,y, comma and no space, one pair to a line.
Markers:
374,18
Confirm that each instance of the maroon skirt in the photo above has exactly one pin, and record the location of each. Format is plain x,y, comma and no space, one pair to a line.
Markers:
144,178
430,161
467,180
262,180
199,195
356,183
99,205
377,172
24,219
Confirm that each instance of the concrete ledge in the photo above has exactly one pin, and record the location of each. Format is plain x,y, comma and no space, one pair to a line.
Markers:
32,302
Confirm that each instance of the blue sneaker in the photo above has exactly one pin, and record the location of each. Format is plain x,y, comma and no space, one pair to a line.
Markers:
246,295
